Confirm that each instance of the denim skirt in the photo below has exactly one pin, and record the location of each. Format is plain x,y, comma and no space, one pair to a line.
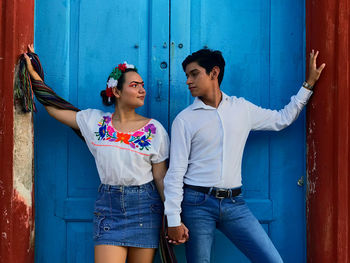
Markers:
128,216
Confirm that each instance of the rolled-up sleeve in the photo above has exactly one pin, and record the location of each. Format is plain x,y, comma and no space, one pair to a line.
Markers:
173,183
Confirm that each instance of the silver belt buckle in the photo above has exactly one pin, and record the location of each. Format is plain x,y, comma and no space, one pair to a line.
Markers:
217,193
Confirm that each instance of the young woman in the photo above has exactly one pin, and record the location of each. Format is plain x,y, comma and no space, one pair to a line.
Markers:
130,153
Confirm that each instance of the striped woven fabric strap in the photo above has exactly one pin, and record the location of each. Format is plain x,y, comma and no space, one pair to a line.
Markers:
44,94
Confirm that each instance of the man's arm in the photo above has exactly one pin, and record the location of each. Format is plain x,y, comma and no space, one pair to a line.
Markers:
173,182
265,119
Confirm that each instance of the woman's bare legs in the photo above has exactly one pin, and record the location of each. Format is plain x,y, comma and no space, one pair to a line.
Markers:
110,254
141,255
117,254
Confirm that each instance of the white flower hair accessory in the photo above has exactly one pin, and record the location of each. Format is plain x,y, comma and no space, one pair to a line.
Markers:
128,65
112,83
114,76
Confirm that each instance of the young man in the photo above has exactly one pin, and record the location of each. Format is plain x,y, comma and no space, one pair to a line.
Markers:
203,182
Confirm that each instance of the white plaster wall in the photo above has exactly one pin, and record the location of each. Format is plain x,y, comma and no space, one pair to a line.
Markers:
23,155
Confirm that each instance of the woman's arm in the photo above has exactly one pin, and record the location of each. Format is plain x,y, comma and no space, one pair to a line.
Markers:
159,171
67,117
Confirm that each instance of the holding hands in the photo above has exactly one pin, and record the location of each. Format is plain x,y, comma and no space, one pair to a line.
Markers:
178,235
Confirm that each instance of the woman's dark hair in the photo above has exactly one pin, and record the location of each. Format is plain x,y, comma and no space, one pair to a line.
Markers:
207,59
121,81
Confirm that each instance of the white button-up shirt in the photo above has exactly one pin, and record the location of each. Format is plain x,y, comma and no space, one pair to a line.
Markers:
207,144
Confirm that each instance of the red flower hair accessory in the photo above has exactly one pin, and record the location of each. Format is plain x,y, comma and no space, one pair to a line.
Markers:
122,67
114,76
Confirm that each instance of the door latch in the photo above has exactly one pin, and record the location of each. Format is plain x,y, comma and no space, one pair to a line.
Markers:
159,85
301,181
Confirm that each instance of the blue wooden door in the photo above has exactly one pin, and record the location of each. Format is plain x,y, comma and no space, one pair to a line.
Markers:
79,42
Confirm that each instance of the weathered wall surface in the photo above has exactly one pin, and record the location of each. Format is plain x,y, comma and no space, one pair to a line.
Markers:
328,211
16,139
23,171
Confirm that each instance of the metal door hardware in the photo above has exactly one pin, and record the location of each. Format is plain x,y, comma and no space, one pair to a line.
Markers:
159,85
301,181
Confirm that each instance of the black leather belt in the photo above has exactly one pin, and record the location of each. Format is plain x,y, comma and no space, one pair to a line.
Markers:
217,192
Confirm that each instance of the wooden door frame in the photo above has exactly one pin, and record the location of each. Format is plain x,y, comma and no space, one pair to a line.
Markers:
328,212
17,211
328,195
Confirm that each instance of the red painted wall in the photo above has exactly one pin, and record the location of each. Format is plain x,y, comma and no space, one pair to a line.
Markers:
328,211
16,31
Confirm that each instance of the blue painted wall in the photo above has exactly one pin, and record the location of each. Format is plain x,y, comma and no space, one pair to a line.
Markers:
80,42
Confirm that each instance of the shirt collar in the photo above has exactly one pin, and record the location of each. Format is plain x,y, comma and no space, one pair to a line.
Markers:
199,104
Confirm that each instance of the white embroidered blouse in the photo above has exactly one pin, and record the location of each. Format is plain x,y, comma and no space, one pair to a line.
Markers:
123,158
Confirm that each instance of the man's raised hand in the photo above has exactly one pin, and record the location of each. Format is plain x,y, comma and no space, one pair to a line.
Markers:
314,72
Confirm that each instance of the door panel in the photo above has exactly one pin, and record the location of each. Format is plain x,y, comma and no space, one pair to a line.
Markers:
79,43
259,40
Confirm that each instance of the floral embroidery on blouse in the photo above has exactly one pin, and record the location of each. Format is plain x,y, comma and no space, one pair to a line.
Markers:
140,139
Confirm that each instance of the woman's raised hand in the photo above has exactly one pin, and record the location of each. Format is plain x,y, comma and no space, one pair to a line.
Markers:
30,68
31,48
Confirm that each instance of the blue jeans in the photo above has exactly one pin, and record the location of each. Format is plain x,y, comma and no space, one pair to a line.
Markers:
203,213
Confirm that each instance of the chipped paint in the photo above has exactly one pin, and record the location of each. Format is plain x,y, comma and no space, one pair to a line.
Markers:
312,163
328,151
16,177
23,219
23,155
